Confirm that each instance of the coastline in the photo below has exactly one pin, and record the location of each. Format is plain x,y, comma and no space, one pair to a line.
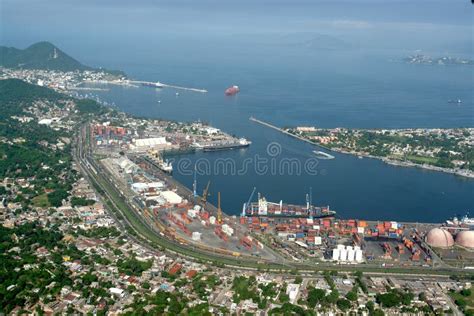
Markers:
389,161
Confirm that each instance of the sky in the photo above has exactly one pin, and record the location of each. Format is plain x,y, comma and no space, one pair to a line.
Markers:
387,23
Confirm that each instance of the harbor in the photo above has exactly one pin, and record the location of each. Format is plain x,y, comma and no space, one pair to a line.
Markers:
267,231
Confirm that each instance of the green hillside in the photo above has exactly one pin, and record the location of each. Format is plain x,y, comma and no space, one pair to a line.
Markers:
42,55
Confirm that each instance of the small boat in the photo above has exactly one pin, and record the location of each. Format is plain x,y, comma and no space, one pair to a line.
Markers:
323,155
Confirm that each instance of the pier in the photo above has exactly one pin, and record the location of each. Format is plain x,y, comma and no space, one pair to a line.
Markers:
87,89
136,83
253,119
163,85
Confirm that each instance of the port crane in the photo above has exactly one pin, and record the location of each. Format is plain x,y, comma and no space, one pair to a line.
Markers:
195,183
248,201
205,194
309,199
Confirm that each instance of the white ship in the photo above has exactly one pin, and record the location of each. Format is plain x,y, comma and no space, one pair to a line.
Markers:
166,166
465,220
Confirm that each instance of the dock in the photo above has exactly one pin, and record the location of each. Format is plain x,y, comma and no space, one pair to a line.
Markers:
253,119
164,85
136,83
87,89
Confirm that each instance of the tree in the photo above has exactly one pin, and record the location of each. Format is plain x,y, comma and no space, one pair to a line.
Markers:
332,297
352,295
56,197
466,292
343,304
461,302
422,296
315,296
377,312
370,306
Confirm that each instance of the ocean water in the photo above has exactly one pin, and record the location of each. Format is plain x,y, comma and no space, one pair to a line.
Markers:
302,64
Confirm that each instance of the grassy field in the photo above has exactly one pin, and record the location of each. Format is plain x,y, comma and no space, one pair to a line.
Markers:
41,201
422,159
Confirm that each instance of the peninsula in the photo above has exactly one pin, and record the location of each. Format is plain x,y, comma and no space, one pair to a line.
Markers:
447,150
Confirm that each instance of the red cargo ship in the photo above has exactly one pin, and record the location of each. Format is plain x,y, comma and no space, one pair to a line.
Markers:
232,90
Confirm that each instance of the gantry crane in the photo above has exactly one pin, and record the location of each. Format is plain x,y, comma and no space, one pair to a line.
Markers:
205,194
246,205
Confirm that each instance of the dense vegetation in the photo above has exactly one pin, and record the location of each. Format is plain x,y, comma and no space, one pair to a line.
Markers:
394,298
30,151
18,250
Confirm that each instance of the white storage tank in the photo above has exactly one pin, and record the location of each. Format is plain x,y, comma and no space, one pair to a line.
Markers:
358,255
356,248
348,248
343,255
196,236
335,254
351,255
340,247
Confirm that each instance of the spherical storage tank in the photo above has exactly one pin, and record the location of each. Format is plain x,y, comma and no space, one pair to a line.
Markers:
465,239
439,238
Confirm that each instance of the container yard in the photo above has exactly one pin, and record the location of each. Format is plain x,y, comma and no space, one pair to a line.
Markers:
179,214
271,231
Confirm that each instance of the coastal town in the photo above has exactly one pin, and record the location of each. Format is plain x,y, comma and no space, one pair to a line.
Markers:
446,150
95,266
422,59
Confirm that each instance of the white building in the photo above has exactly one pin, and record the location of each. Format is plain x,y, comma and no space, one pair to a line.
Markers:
292,292
150,142
171,197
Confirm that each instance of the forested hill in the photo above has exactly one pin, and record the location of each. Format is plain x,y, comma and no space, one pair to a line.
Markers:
36,129
16,95
43,55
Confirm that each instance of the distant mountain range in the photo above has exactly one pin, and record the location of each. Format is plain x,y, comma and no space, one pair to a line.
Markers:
43,55
315,41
